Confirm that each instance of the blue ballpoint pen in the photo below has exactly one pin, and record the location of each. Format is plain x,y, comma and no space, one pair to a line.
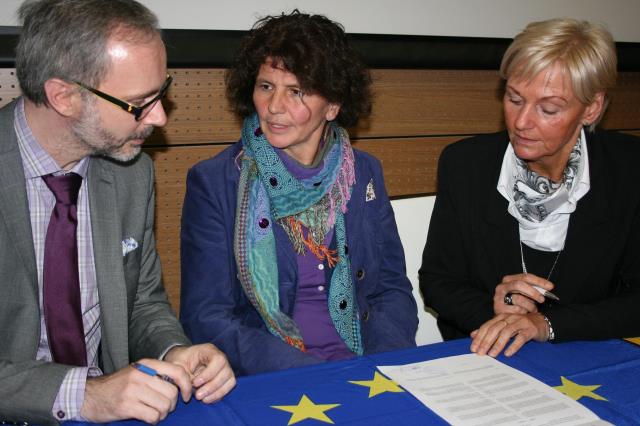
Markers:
151,372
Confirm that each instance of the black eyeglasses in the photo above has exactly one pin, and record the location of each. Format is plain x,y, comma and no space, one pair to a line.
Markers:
139,112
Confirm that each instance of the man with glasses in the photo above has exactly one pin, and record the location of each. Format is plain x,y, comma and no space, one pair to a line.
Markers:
81,295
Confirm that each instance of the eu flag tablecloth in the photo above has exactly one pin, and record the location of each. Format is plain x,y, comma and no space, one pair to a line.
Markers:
604,376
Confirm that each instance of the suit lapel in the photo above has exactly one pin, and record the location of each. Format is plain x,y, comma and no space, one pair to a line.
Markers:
501,236
107,244
14,206
356,215
353,219
593,206
589,226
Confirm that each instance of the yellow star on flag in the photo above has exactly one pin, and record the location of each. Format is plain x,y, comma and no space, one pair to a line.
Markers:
379,384
307,409
635,340
576,391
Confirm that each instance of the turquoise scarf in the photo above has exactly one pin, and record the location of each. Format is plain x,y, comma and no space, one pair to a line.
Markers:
267,192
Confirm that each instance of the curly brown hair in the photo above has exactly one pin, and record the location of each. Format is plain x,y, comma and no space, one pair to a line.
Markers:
313,48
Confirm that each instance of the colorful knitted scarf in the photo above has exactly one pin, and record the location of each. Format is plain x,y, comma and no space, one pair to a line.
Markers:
268,193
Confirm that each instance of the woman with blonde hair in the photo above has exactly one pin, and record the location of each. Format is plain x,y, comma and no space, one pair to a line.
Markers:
535,233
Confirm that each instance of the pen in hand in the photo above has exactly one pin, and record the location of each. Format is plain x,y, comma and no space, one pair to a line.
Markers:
546,293
152,372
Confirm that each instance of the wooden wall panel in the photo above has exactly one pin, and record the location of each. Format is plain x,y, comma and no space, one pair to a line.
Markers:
197,110
624,109
9,87
171,166
410,165
433,102
407,103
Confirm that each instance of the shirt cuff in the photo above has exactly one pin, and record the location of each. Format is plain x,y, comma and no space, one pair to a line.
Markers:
166,351
68,402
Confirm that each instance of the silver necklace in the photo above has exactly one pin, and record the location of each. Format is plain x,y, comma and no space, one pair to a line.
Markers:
555,262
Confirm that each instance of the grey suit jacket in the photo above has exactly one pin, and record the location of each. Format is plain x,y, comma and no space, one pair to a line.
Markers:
135,317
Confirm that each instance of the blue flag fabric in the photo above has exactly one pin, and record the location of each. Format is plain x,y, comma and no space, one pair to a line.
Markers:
613,366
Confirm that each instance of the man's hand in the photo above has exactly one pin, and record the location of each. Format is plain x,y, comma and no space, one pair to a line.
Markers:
132,394
210,371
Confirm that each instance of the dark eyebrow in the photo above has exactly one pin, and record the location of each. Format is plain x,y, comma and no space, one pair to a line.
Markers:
290,86
263,80
509,87
513,89
144,95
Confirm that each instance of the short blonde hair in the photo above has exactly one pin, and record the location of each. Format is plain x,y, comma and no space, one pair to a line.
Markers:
585,49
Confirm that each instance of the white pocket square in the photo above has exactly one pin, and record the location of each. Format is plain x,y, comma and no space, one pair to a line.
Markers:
128,245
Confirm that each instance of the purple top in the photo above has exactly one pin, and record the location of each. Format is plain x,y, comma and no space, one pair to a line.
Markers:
311,312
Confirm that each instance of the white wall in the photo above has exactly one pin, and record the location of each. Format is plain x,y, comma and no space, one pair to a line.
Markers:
476,18
412,217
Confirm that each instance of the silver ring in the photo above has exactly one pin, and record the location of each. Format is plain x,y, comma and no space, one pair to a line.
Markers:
507,299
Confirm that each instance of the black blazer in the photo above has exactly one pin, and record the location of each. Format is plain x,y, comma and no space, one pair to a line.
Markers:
473,242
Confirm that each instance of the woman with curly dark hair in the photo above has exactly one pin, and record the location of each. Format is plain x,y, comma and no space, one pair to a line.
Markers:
290,252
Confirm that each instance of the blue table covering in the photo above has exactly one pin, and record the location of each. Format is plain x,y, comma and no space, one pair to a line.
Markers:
606,372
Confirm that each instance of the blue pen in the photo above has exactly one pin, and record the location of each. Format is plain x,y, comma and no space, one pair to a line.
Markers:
151,372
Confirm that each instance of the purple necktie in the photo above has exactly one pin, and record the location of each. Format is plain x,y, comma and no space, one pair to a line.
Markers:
61,293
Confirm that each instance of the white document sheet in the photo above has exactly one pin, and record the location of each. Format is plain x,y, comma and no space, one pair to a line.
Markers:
479,390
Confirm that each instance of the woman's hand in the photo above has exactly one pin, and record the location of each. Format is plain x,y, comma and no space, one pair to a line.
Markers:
210,371
492,337
521,292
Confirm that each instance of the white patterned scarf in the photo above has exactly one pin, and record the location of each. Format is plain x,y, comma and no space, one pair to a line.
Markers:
542,207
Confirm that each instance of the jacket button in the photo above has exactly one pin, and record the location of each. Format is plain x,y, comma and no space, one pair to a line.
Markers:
273,181
365,316
264,222
360,274
343,304
61,414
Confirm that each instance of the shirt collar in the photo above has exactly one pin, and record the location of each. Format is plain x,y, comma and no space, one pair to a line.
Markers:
36,160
